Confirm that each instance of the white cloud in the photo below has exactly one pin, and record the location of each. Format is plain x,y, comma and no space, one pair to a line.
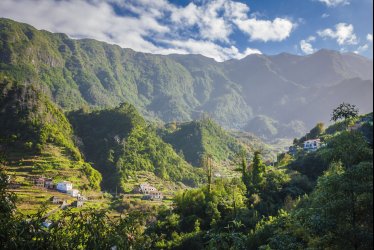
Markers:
216,20
263,30
155,26
363,48
325,15
334,3
369,38
210,49
306,46
343,33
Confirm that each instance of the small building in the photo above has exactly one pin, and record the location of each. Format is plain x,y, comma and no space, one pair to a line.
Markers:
82,198
56,200
312,145
156,195
47,223
64,186
217,175
145,188
48,183
39,182
73,192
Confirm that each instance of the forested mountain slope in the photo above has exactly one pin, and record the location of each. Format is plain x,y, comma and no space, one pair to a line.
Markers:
199,138
36,139
120,144
77,73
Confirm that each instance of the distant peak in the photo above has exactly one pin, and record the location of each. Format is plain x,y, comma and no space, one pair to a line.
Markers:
327,52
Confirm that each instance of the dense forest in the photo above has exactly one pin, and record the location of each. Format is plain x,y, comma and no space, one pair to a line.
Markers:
120,143
207,138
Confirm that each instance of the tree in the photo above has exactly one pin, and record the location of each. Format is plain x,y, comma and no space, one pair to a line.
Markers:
258,171
7,208
207,164
350,148
339,212
344,111
317,131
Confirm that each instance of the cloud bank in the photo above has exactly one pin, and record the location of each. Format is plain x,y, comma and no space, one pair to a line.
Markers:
153,26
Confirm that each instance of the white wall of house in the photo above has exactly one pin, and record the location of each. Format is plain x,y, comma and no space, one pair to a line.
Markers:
64,186
74,192
147,189
312,144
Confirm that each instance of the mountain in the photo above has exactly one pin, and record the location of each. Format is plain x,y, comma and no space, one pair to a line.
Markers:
235,93
36,139
121,145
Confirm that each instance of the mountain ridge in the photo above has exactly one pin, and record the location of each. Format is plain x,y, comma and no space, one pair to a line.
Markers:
166,88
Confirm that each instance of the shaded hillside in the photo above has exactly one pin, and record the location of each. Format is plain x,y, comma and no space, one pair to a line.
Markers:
78,73
195,139
36,138
267,128
120,144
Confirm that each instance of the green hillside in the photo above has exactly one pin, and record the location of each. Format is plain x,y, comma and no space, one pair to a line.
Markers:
88,72
121,145
204,137
342,139
37,140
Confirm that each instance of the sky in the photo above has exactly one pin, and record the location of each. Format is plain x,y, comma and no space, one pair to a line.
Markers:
219,29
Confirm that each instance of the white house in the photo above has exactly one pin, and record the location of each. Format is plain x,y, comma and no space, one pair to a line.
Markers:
312,145
145,188
156,195
74,192
64,186
47,223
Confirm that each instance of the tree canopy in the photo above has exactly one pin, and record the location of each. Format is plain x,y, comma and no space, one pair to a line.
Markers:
344,111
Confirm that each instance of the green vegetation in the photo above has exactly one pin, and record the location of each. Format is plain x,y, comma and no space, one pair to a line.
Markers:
120,144
308,200
37,139
344,111
89,229
207,138
312,200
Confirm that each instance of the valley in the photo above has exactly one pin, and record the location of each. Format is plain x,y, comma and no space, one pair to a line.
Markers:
107,148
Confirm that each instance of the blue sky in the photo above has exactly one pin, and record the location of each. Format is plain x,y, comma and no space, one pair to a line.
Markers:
220,29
